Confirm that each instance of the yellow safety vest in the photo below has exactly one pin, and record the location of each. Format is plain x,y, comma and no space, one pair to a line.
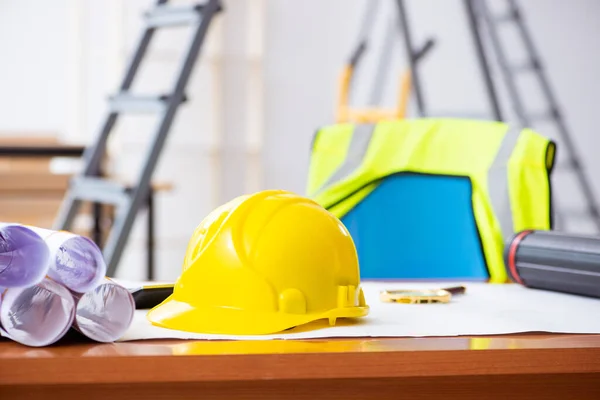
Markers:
509,170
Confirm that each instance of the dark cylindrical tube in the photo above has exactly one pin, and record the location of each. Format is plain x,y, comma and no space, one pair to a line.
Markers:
555,261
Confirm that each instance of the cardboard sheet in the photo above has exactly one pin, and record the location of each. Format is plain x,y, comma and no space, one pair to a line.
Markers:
484,310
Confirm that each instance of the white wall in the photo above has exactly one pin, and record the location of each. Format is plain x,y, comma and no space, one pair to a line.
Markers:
33,66
267,79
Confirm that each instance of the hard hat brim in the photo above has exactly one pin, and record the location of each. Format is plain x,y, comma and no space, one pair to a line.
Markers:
177,315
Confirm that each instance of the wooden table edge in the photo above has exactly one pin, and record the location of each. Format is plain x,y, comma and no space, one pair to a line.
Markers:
297,366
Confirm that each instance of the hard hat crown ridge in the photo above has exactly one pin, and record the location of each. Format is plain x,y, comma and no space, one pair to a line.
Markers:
264,263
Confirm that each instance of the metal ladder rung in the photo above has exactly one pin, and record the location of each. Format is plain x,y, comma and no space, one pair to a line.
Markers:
577,213
508,16
572,164
527,66
542,116
138,104
98,190
567,166
455,114
164,16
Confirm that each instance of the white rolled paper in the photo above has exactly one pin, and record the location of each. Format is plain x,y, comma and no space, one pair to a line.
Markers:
105,313
75,261
23,256
39,315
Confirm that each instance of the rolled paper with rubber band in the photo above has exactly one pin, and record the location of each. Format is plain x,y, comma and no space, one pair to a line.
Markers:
23,256
555,261
105,313
75,261
38,315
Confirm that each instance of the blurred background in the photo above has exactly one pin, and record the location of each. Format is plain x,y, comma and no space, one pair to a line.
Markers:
266,80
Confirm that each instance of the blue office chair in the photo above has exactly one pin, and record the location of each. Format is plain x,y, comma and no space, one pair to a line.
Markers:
416,226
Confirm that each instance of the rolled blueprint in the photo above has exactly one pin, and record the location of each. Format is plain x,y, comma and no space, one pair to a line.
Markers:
105,313
23,256
75,261
38,315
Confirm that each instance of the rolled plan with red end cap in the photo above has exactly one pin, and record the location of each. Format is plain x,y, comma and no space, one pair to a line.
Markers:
38,315
105,313
23,256
556,261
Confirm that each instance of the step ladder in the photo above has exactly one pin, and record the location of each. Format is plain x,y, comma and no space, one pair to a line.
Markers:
89,185
533,65
482,20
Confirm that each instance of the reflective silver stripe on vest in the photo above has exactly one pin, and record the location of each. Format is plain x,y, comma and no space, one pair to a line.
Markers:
498,182
357,149
498,176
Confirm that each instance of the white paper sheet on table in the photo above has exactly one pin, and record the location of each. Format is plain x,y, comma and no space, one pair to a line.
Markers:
484,310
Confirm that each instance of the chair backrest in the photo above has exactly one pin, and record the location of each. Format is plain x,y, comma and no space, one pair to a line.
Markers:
433,198
415,226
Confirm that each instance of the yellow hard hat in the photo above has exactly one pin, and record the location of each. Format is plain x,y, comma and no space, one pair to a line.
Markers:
264,263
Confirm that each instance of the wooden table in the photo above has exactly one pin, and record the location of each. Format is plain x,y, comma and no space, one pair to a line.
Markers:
532,366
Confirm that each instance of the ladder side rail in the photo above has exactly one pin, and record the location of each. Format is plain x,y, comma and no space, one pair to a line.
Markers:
507,74
563,130
383,65
410,54
482,58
